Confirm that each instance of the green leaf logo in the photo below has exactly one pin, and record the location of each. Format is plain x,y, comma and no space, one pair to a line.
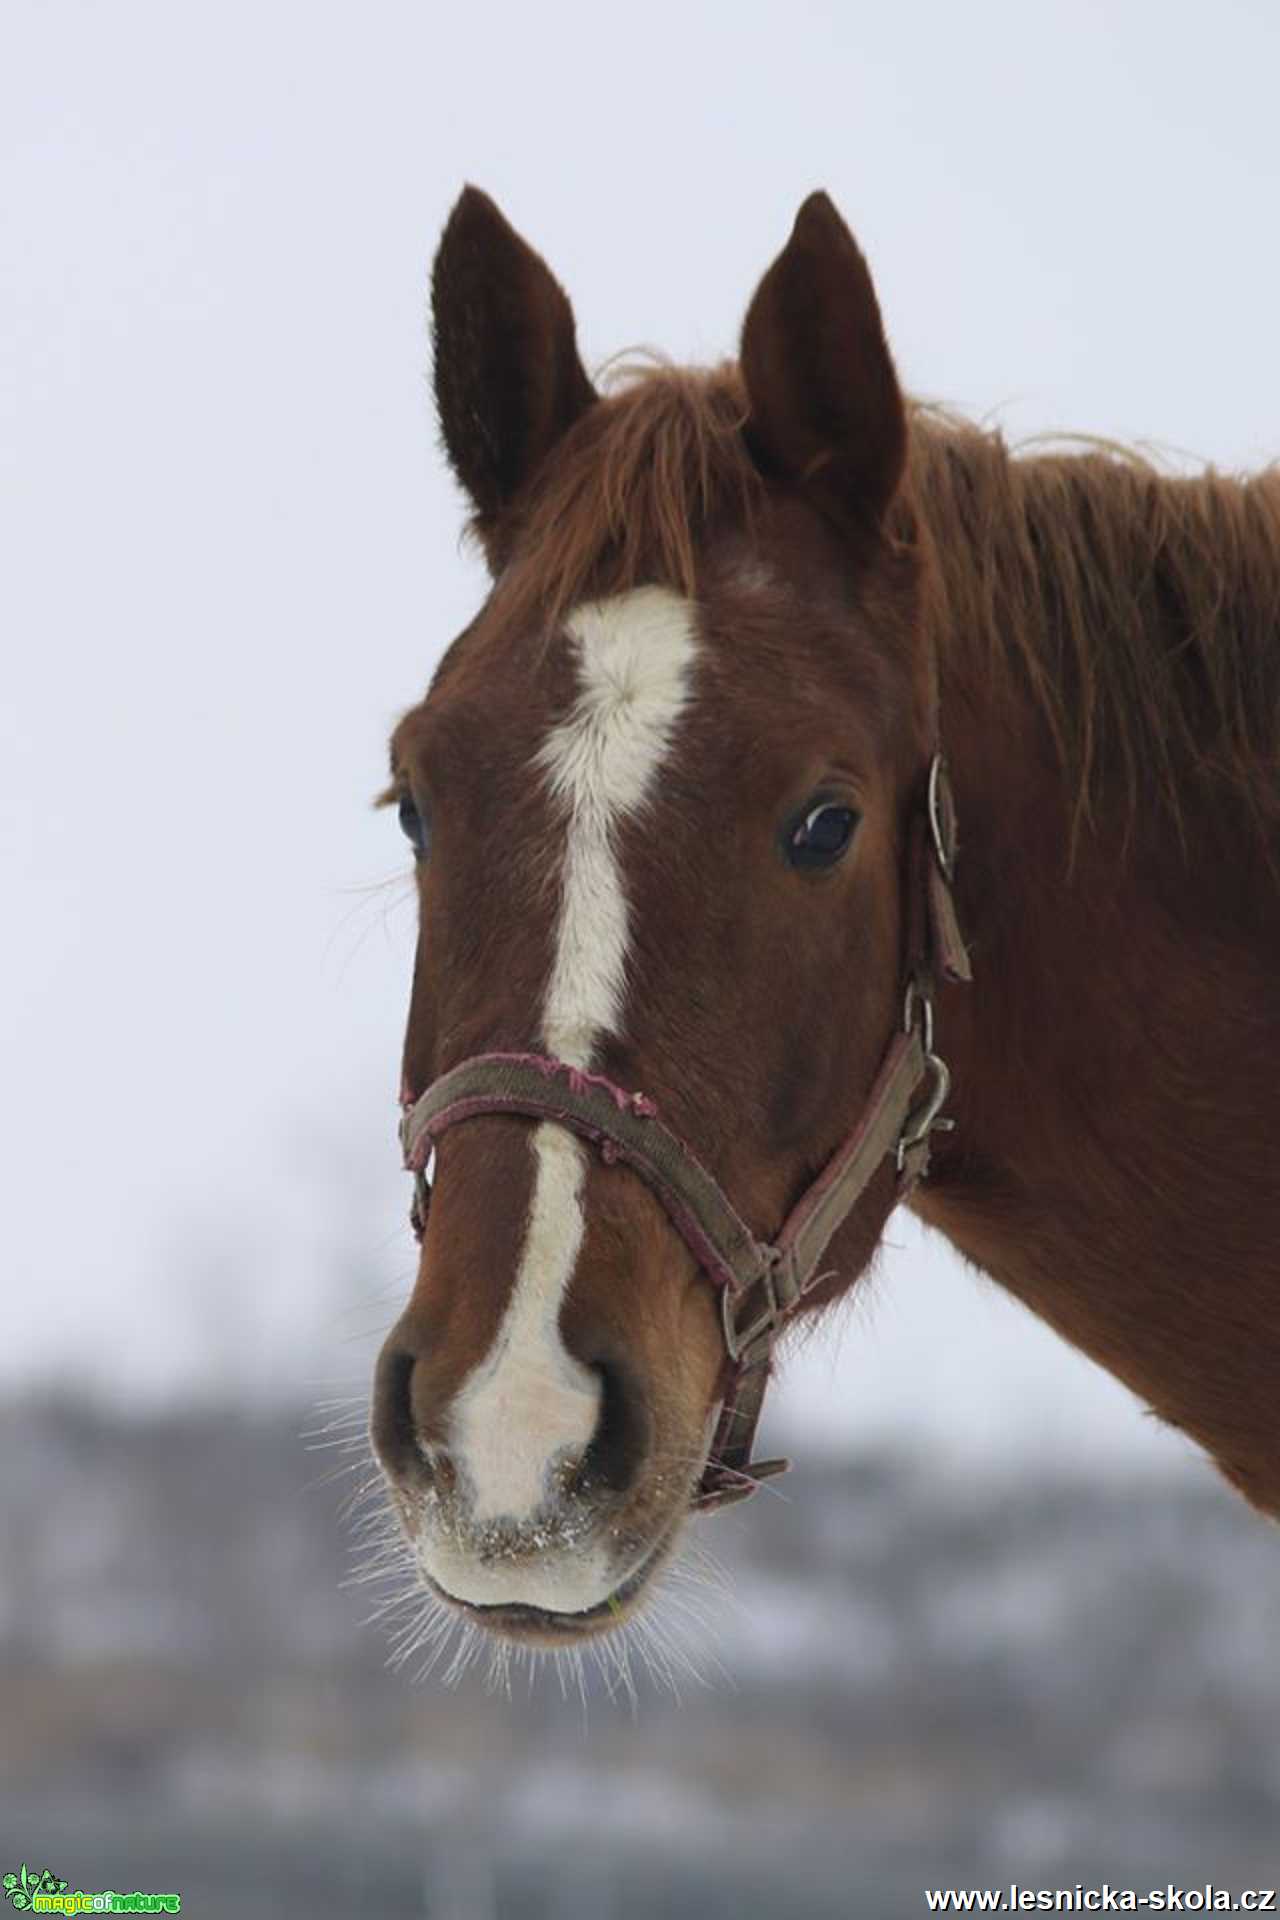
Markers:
22,1886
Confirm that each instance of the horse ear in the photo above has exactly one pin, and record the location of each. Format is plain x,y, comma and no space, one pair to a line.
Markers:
825,408
508,379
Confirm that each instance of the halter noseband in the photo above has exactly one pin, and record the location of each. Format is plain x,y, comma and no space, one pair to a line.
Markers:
762,1283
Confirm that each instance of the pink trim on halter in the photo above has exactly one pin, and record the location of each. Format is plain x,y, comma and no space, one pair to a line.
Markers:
579,1079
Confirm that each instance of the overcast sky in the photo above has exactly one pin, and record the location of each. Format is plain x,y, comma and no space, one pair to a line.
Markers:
231,557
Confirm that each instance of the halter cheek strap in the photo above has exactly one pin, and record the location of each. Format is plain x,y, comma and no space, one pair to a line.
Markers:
762,1283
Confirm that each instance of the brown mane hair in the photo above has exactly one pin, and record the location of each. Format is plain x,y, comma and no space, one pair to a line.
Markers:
1142,610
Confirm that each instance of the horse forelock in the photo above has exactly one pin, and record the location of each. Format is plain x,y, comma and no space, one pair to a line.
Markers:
632,493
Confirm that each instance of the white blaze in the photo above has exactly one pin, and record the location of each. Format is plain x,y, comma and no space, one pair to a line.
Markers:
529,1402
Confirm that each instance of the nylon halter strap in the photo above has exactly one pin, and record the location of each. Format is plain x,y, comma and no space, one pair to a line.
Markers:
762,1283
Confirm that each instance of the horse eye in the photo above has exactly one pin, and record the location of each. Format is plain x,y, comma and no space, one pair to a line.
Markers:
820,836
413,826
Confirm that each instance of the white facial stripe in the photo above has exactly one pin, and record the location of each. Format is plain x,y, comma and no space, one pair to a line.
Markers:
635,662
529,1402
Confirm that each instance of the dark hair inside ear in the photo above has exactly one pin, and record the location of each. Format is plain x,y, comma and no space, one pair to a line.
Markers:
508,378
825,410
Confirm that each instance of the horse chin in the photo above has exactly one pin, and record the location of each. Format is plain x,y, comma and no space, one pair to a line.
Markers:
544,1627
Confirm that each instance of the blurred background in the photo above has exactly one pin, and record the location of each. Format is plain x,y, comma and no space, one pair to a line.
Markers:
998,1625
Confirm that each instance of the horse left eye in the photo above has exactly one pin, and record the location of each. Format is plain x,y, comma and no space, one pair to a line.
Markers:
413,826
820,836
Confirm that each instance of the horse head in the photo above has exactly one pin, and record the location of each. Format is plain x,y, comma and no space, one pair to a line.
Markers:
660,794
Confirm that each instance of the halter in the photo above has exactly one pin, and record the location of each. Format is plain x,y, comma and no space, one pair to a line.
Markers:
762,1283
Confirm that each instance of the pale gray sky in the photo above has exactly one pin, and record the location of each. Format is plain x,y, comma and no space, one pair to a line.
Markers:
231,556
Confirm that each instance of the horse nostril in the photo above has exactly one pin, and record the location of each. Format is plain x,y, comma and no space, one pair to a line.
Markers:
397,1438
391,1427
621,1438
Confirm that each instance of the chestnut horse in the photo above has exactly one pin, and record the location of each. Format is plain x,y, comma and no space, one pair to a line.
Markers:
666,794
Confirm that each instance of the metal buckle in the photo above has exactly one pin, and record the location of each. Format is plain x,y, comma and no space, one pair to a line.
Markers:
421,1202
780,1295
928,1117
419,1206
941,816
918,995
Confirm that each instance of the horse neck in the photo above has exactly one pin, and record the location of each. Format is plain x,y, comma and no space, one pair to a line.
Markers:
1114,1064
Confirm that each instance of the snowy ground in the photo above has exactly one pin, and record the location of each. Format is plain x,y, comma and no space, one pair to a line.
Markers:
906,1677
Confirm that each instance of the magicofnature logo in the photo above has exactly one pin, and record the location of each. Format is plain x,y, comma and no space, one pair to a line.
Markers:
46,1893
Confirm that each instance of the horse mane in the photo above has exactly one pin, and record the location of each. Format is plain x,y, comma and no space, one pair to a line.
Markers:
1140,609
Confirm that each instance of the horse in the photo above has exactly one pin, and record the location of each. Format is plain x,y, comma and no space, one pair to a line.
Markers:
828,809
